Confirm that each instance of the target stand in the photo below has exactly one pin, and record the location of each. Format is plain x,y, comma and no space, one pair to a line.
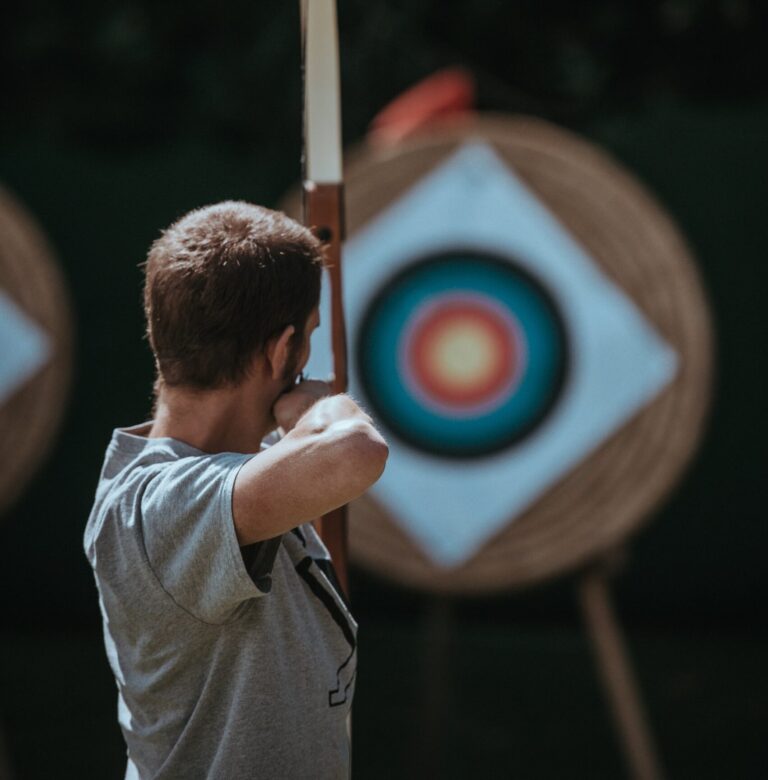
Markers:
529,330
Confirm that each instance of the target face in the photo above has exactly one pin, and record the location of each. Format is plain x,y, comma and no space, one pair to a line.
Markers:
462,354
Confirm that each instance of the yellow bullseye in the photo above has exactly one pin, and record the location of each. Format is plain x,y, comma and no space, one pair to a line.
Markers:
463,354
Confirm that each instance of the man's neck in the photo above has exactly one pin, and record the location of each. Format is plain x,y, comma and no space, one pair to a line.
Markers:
231,419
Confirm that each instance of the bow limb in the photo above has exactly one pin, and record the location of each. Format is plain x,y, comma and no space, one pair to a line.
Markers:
323,190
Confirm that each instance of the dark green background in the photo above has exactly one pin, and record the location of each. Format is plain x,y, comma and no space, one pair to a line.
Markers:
116,117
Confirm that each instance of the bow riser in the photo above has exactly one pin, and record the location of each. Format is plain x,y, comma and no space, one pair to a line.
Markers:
323,213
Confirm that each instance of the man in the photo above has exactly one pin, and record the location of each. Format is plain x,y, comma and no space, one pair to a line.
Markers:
233,650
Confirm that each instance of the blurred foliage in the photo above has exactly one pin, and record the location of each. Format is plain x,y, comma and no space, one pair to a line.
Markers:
136,72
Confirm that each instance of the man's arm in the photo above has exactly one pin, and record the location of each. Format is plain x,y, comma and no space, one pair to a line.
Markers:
331,456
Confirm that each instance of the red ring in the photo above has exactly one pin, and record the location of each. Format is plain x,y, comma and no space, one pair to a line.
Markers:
422,345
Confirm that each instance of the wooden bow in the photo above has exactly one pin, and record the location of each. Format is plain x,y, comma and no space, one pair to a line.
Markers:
323,190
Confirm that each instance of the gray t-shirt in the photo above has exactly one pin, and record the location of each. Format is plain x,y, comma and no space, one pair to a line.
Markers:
223,670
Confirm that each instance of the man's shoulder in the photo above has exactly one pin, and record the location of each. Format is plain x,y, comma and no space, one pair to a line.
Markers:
133,456
132,460
131,463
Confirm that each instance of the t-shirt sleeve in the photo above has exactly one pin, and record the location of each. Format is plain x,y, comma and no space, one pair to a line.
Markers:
189,536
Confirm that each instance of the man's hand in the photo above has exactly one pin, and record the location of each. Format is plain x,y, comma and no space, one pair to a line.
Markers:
291,406
332,455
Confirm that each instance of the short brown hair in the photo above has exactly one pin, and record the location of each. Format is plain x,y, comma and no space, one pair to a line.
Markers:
220,282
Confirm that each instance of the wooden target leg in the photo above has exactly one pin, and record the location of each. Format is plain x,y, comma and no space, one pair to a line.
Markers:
616,675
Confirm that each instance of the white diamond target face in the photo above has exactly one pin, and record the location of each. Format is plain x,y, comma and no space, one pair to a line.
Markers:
491,349
24,347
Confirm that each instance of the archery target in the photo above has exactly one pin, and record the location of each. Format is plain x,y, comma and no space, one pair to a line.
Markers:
580,285
491,349
462,354
35,352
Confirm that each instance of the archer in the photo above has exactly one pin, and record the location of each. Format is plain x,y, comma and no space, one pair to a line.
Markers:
232,648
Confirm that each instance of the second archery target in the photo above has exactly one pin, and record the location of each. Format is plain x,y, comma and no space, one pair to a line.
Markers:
462,354
35,347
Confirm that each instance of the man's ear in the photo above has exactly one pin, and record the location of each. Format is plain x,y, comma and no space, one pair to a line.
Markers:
278,352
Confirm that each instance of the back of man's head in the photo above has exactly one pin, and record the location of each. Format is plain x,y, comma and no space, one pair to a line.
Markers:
221,282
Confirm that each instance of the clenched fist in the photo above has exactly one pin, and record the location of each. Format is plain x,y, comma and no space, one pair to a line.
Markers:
290,406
